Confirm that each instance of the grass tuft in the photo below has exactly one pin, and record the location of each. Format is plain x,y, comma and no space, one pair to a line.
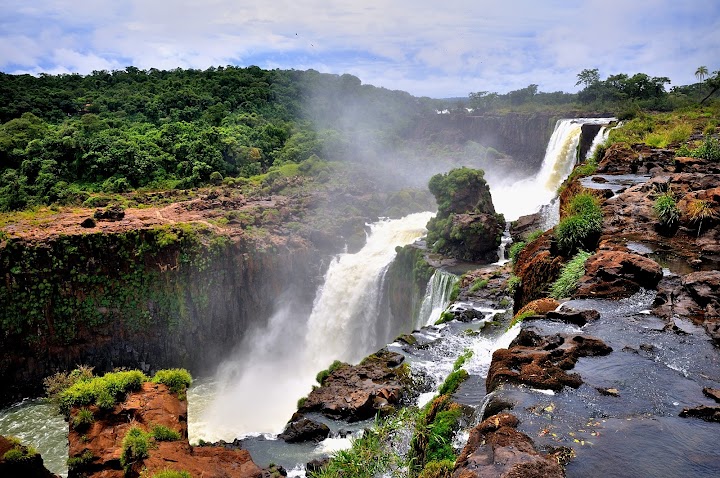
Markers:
570,274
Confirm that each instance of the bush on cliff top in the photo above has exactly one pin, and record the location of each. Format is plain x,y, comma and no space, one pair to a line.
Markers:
102,391
136,445
581,227
177,380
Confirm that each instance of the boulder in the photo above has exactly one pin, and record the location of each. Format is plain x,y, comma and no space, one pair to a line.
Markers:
540,306
109,214
88,223
496,449
617,274
358,392
521,228
713,393
703,412
302,429
542,361
538,266
572,316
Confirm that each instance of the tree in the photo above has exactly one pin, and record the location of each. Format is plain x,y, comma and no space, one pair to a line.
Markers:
714,83
701,73
588,77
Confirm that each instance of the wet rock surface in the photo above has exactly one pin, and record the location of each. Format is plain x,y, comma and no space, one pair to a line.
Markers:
618,274
542,361
357,392
302,429
496,449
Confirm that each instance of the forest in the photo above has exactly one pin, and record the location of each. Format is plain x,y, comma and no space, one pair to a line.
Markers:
65,137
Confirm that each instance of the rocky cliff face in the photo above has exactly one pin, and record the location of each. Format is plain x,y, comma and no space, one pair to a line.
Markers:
131,300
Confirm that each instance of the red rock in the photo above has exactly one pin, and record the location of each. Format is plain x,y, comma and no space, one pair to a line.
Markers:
537,267
542,361
30,467
540,306
496,449
617,274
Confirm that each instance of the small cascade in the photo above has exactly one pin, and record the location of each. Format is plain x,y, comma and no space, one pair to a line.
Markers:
505,241
599,139
528,195
437,297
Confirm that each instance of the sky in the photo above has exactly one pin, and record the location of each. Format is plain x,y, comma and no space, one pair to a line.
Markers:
430,48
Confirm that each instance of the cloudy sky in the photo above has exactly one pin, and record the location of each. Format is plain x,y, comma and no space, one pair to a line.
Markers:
427,47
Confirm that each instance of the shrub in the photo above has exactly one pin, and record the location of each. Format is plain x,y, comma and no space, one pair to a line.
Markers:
324,374
515,249
135,446
177,380
78,461
163,433
103,391
512,284
709,149
666,210
569,276
700,210
582,225
83,419
60,381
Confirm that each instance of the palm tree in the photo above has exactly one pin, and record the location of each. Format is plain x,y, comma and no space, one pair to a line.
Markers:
701,73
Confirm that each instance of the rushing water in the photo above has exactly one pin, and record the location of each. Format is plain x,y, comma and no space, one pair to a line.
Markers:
528,195
37,423
437,296
257,390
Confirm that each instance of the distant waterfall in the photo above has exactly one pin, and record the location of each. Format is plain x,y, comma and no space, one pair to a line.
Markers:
437,297
344,323
599,139
528,195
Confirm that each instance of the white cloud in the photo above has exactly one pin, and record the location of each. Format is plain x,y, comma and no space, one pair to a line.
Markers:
426,47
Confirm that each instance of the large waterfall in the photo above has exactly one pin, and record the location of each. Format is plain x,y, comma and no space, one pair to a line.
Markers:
258,388
528,195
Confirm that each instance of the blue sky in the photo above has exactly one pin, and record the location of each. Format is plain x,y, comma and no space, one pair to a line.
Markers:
428,48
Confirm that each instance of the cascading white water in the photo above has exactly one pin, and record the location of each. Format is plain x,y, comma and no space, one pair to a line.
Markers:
599,139
528,195
257,390
346,309
437,297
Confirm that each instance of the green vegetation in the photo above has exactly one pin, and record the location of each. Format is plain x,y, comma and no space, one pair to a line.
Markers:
163,433
136,445
75,462
446,316
513,283
570,274
83,419
372,454
455,292
324,374
709,149
66,138
177,380
700,210
438,469
453,381
667,211
171,474
462,358
582,224
520,317
479,284
103,391
18,452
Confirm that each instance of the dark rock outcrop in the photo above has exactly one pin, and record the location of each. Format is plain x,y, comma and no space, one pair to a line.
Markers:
109,214
358,392
466,226
695,296
302,429
572,316
496,449
703,412
618,274
26,464
542,361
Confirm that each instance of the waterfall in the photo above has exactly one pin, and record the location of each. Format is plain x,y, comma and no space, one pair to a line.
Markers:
437,297
599,139
256,391
346,308
528,195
